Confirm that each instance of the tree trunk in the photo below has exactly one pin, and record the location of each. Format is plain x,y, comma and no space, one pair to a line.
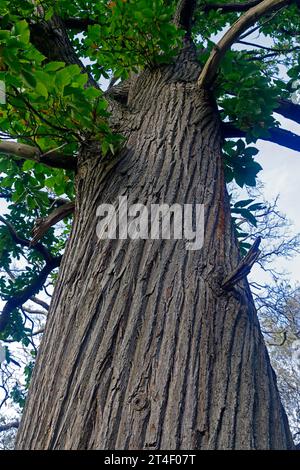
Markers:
143,349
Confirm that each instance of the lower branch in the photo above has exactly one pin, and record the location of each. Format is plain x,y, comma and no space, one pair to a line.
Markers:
288,110
43,225
31,290
8,426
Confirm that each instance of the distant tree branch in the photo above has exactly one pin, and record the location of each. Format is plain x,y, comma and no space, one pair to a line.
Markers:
262,23
8,426
209,72
184,14
32,311
27,152
276,135
40,302
266,48
285,335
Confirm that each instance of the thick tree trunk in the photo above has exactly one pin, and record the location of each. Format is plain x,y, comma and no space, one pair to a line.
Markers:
143,349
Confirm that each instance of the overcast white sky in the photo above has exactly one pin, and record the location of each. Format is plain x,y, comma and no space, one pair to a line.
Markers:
281,175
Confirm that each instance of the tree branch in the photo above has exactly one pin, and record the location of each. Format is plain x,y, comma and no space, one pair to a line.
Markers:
288,110
24,242
266,48
183,17
29,291
33,299
231,7
276,135
52,40
40,302
32,311
43,225
27,152
285,335
209,72
80,24
8,426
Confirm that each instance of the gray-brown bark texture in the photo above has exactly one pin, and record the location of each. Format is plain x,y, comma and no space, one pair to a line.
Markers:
143,349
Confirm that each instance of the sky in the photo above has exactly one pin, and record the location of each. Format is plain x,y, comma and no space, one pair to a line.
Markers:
281,175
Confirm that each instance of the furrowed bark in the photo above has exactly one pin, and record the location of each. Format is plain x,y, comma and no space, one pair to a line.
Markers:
143,348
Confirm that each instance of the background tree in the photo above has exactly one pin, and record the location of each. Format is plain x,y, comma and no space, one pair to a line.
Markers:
147,345
279,311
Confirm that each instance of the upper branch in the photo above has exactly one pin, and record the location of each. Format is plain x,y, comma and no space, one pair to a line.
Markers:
251,16
80,24
231,7
52,40
27,152
8,426
183,17
244,267
43,225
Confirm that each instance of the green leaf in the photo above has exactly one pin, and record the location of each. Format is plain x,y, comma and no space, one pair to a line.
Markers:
243,203
29,78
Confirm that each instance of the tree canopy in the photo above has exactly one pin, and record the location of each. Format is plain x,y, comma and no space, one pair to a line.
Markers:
55,60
